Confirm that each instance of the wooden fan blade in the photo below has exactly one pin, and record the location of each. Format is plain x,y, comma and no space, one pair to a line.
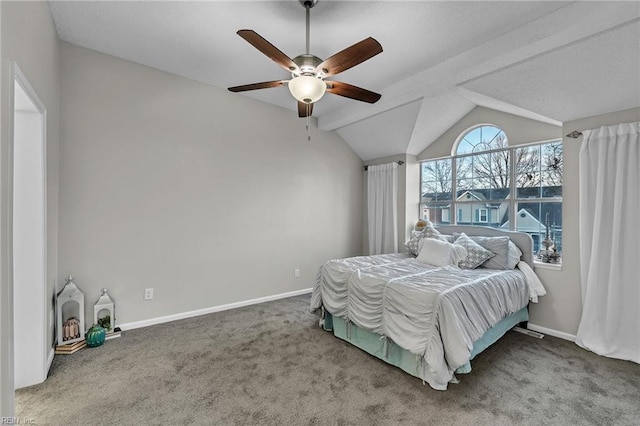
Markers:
304,110
257,41
352,92
350,57
255,86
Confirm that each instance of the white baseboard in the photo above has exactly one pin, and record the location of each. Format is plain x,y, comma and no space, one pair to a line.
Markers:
198,312
551,332
49,361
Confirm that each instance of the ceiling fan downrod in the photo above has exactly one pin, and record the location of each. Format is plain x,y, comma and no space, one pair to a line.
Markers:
308,4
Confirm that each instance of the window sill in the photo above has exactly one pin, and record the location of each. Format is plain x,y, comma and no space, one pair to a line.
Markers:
551,266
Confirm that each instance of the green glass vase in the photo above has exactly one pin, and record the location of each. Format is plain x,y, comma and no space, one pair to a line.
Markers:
95,336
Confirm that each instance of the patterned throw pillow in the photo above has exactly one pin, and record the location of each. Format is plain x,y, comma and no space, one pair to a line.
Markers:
413,244
476,254
428,232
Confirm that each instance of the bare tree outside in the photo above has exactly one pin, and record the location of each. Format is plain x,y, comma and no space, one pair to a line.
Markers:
436,178
536,166
552,158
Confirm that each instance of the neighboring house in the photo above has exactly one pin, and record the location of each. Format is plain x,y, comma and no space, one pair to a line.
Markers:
527,222
472,213
473,208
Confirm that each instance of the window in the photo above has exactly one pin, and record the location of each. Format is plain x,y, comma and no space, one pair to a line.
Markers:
489,183
482,215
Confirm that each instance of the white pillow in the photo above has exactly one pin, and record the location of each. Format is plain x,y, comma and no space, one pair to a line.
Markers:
514,255
440,253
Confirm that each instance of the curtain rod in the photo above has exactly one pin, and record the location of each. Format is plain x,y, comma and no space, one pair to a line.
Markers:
574,134
400,163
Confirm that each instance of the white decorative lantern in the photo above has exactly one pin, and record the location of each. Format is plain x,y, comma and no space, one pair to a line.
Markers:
103,311
70,314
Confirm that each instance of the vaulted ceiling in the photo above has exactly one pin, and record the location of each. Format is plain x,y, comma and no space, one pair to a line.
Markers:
550,61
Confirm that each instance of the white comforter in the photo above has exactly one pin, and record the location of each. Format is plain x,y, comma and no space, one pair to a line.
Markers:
436,313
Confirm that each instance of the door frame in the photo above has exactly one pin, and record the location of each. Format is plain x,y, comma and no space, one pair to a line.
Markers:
46,353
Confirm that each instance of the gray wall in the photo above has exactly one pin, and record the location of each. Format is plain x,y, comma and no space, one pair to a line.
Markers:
209,197
28,37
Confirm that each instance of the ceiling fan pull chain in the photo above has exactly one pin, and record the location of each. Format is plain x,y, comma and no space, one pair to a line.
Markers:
308,120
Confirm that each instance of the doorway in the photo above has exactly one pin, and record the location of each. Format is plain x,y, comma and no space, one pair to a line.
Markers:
29,235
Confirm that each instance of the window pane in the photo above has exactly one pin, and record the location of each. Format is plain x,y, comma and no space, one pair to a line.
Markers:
464,168
493,167
539,171
481,165
541,221
486,174
552,162
437,213
482,138
527,159
528,185
436,171
436,180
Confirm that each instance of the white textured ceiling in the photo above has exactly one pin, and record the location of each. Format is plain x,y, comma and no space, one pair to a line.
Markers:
381,134
551,61
604,69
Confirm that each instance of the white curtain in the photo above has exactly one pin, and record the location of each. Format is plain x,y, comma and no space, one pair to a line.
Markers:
610,241
382,204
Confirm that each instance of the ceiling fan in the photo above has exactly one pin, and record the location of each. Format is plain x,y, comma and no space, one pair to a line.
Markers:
308,72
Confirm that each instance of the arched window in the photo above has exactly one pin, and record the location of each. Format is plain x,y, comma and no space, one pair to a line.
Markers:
486,182
484,137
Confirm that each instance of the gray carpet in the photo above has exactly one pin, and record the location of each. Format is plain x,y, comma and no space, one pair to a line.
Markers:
270,364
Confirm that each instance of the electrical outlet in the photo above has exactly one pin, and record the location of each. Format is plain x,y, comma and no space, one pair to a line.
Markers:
148,293
296,273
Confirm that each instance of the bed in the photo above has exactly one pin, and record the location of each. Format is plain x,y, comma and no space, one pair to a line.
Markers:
430,321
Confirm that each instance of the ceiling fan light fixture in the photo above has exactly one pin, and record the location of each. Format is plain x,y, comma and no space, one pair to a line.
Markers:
307,89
